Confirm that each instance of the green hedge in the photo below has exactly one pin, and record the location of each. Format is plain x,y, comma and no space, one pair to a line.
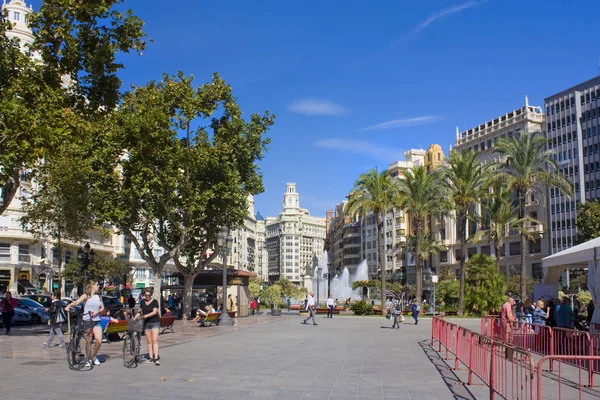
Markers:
361,307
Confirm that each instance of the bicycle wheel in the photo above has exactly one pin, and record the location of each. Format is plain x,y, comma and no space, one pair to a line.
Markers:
78,352
129,352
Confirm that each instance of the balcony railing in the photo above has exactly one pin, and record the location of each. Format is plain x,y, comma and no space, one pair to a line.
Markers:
25,258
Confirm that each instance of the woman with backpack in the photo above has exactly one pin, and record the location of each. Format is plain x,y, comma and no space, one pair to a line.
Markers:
57,317
395,310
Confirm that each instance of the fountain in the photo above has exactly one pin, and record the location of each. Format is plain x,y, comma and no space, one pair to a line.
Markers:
340,285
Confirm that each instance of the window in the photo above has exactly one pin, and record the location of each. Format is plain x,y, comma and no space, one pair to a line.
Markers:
443,256
16,16
4,251
537,271
514,249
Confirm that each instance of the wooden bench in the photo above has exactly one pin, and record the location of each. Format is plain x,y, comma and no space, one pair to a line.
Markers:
166,323
296,307
210,319
114,328
326,310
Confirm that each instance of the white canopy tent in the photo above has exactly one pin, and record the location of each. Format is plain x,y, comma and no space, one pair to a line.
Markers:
585,255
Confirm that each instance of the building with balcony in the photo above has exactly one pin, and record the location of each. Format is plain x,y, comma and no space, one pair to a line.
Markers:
573,130
482,139
294,240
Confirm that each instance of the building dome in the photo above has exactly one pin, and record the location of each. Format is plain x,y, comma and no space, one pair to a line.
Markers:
18,16
259,217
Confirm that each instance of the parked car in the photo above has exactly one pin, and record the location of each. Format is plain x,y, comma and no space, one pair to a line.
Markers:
38,312
21,316
113,304
43,299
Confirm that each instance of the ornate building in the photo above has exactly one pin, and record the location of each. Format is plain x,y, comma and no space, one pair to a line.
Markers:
294,239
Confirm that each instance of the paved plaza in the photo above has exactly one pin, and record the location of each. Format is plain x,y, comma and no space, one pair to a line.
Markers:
262,357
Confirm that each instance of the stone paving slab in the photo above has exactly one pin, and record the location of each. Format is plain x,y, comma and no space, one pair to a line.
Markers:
261,358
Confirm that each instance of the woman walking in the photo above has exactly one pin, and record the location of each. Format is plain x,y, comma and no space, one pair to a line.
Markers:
395,310
92,308
8,310
57,317
149,312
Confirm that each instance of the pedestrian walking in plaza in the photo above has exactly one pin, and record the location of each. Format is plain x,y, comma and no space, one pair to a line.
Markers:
257,304
131,301
289,303
395,310
415,308
230,303
92,308
310,307
330,307
253,306
57,317
149,312
8,310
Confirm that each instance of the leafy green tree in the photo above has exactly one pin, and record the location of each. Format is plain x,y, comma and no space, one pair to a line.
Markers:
177,192
102,268
60,203
270,295
447,291
375,193
75,44
361,307
428,246
446,274
527,168
583,299
465,178
254,285
580,282
513,286
588,221
486,286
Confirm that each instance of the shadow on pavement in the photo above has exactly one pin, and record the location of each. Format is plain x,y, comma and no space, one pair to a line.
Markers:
457,387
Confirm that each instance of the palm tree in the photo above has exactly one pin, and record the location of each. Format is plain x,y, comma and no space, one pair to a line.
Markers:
465,179
527,167
420,195
501,216
427,246
375,193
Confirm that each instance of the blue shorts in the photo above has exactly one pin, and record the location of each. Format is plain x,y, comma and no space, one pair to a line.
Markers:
150,326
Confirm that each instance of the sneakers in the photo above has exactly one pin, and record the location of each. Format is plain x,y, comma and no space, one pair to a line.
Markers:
88,364
156,362
96,361
45,345
303,322
149,361
315,324
62,346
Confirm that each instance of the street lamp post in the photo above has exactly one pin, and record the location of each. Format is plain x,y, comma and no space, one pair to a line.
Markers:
225,241
86,257
434,280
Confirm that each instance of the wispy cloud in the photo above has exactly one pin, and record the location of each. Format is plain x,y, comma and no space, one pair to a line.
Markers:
431,19
317,107
362,147
402,122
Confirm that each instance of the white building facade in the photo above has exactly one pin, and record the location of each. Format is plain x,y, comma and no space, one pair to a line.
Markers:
294,239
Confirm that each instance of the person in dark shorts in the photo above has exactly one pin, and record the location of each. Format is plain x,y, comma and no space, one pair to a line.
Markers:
149,312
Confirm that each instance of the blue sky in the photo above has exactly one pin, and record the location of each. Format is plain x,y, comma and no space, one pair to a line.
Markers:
354,84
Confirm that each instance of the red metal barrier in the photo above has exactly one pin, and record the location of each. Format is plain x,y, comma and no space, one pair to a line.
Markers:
562,387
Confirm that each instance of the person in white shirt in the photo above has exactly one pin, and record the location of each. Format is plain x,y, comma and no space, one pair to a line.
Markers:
310,307
330,306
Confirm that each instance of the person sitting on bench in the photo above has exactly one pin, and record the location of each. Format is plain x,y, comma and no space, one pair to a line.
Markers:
208,309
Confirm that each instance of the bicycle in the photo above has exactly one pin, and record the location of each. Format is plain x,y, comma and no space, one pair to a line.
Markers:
132,342
79,348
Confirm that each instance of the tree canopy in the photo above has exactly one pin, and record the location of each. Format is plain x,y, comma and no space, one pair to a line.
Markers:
588,221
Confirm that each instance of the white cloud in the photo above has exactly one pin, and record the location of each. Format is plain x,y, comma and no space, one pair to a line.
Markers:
317,107
442,14
402,122
362,147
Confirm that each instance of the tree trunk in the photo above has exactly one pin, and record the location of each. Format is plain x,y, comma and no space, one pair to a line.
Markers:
463,259
188,283
418,264
497,253
382,258
523,247
157,285
523,261
59,247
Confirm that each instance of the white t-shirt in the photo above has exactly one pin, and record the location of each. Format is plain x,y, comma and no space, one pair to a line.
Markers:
329,302
310,302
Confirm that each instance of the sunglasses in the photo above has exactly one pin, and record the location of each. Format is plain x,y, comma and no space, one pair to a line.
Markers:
148,295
